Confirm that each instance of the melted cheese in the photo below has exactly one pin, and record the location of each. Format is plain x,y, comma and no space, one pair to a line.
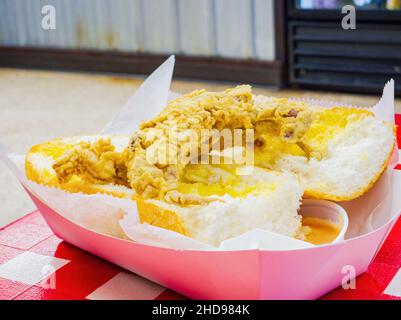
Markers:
219,180
327,124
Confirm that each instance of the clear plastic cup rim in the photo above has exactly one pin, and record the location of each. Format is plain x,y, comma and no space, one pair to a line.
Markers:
327,210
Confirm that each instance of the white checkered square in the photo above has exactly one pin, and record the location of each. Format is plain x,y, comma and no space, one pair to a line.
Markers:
127,286
394,287
30,268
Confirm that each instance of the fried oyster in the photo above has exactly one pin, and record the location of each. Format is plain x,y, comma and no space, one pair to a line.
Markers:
90,165
188,115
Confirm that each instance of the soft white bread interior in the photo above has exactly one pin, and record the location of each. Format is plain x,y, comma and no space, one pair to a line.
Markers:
262,200
356,157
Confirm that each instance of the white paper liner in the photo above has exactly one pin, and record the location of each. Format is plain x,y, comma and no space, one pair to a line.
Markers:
145,103
103,213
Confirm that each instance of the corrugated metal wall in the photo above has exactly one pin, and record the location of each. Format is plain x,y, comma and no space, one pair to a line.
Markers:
226,28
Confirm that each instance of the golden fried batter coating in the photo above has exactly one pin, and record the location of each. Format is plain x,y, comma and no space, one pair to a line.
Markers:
97,162
156,161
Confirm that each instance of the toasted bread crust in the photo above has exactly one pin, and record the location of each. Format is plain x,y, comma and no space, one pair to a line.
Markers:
156,216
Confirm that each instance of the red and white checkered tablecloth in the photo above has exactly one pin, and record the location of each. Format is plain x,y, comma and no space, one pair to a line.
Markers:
35,264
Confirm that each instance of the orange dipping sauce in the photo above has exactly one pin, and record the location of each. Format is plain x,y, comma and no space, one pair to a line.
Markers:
320,231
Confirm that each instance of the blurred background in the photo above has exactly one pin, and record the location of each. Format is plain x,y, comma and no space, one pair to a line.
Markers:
67,65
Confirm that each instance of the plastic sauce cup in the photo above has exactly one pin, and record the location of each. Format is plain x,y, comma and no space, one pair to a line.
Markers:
326,210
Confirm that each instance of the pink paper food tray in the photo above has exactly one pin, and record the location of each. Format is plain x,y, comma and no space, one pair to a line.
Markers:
247,274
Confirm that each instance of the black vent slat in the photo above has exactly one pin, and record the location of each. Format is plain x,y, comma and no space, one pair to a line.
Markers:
386,70
343,84
373,54
362,35
349,62
361,77
365,38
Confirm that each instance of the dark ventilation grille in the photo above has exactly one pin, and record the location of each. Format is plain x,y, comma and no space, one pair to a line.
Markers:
326,56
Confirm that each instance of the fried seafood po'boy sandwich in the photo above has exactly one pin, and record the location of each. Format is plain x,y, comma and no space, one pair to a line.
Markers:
297,149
